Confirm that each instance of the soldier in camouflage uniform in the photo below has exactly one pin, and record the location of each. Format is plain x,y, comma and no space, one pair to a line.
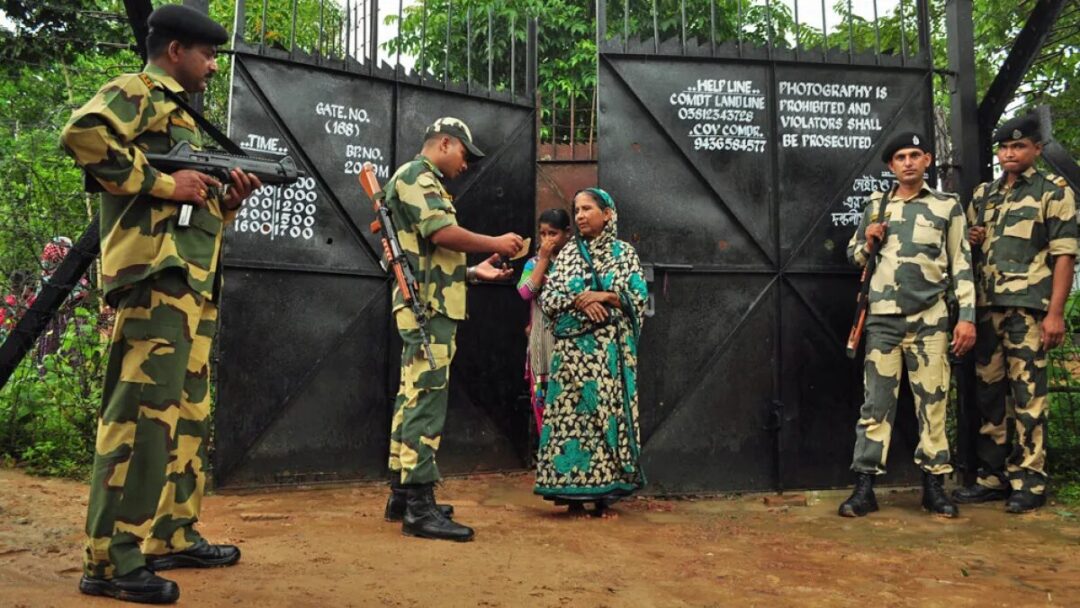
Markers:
151,451
1025,224
427,228
924,259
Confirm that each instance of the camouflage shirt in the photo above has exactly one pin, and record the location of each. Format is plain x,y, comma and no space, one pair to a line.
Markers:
108,138
420,207
1027,224
924,256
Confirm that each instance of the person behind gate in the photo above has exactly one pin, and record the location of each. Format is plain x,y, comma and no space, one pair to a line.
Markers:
162,278
924,258
1025,224
435,244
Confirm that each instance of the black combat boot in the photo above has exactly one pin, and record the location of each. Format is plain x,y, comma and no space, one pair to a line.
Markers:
1023,501
200,555
424,519
934,498
140,585
396,503
976,493
862,499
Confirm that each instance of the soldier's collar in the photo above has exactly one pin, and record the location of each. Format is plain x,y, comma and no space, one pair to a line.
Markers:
1029,173
430,165
1026,176
162,77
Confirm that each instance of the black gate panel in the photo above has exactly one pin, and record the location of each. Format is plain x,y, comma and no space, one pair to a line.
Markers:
308,349
740,177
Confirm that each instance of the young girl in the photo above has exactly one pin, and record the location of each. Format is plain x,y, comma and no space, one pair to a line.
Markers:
553,231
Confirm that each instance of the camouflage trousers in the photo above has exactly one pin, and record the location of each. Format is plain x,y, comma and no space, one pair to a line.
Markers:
919,342
150,455
1010,361
423,394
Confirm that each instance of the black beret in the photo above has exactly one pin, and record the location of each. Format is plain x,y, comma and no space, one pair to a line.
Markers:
1019,128
184,22
908,139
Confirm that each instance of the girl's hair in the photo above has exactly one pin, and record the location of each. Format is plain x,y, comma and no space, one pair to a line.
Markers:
556,218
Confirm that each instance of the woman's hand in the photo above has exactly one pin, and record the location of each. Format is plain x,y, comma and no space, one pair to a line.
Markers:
596,312
589,297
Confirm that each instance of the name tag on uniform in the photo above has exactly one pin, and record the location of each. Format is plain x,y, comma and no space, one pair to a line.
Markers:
185,216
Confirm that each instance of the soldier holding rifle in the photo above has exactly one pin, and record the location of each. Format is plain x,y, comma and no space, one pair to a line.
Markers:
435,246
1025,224
923,258
160,267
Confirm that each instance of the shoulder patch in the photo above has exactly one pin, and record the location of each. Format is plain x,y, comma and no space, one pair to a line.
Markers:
146,80
876,195
943,196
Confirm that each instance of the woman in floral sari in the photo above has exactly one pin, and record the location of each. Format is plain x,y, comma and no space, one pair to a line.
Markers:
595,297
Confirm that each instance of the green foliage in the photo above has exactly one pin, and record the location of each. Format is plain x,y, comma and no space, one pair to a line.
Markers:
48,408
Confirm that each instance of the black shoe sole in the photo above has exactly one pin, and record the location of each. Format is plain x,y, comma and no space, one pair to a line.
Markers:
466,539
394,517
173,562
976,501
853,513
104,588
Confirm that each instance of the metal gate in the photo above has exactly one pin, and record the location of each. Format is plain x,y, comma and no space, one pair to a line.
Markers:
307,350
740,172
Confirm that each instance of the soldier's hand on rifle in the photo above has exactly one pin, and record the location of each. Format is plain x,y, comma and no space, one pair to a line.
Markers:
487,271
874,232
243,184
963,338
976,235
507,245
1053,331
192,187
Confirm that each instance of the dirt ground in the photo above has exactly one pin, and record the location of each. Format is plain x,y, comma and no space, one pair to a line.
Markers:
329,547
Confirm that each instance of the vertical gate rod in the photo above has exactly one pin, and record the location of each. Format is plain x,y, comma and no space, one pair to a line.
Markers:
239,22
423,39
513,58
923,8
490,53
292,32
601,22
322,27
446,55
262,34
573,125
468,48
682,17
656,28
877,37
903,34
712,27
797,45
824,33
850,32
348,33
373,37
626,25
532,54
770,34
738,35
400,16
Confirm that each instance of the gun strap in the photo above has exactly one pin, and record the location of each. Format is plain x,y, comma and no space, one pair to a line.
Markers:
227,144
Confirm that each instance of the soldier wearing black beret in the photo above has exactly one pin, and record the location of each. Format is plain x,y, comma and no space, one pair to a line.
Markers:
1024,224
923,260
162,275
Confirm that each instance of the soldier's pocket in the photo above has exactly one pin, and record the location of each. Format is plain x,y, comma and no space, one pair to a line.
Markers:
1020,222
1012,277
152,353
196,243
925,232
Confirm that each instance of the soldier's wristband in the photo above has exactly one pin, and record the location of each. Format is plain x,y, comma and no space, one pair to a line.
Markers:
470,275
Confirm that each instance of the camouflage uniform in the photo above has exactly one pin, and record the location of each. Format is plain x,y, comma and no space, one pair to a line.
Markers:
420,207
150,456
925,256
1027,225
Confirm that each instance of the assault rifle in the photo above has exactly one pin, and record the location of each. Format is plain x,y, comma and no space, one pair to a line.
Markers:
396,261
862,301
215,164
55,291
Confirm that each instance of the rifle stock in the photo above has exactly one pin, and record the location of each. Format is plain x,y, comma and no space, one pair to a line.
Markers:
395,261
862,300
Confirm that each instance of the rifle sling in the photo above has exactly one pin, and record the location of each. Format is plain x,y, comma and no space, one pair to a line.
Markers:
227,144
